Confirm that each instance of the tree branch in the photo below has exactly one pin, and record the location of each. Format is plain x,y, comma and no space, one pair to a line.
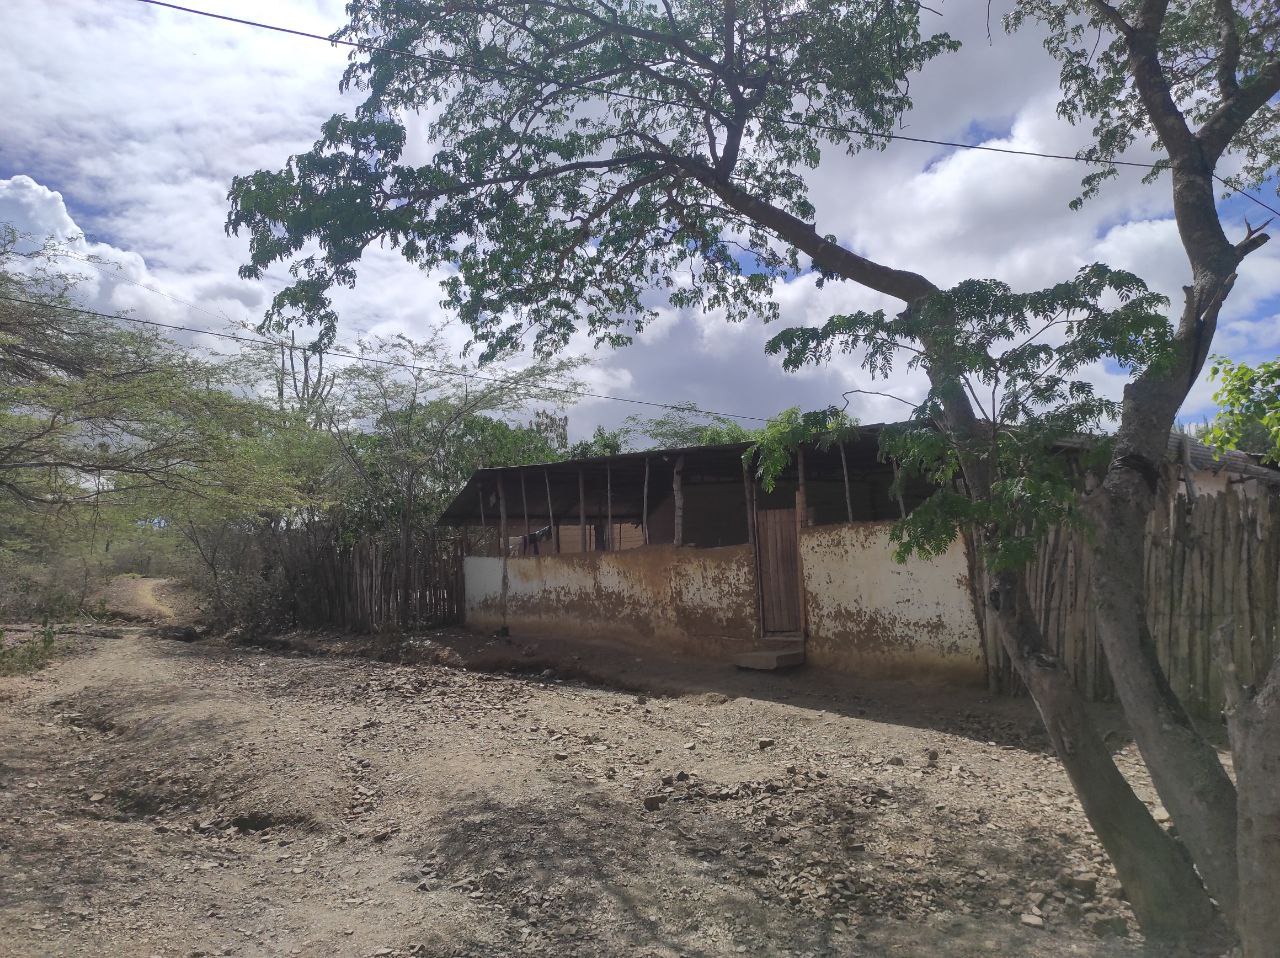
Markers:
1218,131
1229,37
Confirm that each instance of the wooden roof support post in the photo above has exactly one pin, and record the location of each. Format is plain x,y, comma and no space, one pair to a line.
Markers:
608,506
753,539
644,505
502,543
551,519
582,512
844,467
802,520
677,493
897,483
802,507
524,495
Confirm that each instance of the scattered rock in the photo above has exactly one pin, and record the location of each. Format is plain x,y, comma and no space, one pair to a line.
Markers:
1032,921
897,760
1086,883
96,797
654,802
1109,926
765,743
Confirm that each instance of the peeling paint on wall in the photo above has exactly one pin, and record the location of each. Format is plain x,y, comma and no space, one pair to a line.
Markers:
866,614
869,615
696,601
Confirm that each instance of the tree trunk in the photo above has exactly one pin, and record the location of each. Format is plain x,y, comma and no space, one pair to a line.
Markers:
1255,743
1253,722
1184,765
1157,875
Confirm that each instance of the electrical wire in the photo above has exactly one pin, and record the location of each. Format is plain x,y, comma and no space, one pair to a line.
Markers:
439,371
659,101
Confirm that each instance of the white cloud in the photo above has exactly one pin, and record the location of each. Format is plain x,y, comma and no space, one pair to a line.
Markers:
140,117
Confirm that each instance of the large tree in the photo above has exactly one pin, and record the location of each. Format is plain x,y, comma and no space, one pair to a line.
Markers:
587,153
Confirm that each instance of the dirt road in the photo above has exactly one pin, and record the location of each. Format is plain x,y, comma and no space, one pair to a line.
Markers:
162,798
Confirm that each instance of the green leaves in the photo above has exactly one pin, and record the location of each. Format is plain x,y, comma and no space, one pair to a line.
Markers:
1015,353
1210,54
574,153
1034,485
1022,360
1248,417
785,433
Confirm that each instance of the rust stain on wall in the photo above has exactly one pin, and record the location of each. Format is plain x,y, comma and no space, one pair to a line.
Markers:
696,601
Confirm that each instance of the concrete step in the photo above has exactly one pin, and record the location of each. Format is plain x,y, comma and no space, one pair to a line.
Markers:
783,638
767,660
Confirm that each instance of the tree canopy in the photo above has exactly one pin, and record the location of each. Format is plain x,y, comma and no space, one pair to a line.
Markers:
587,154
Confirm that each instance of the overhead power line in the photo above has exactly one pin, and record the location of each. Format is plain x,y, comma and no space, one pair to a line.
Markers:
492,73
435,370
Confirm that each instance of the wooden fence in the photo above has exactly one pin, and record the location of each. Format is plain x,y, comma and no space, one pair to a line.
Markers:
361,587
1208,559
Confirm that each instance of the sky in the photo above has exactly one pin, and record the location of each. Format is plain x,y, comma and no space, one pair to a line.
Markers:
125,124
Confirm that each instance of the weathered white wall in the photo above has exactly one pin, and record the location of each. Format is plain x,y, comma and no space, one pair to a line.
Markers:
696,601
865,613
869,615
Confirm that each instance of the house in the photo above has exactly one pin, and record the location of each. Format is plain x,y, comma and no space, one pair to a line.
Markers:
682,551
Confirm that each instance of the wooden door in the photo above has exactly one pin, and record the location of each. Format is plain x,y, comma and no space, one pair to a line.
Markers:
779,551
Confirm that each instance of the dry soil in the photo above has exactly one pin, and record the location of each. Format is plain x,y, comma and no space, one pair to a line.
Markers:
170,798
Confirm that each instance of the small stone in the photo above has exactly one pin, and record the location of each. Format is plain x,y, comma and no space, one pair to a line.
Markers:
897,760
561,756
765,743
931,756
1032,921
691,745
1086,883
654,802
96,797
1109,926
